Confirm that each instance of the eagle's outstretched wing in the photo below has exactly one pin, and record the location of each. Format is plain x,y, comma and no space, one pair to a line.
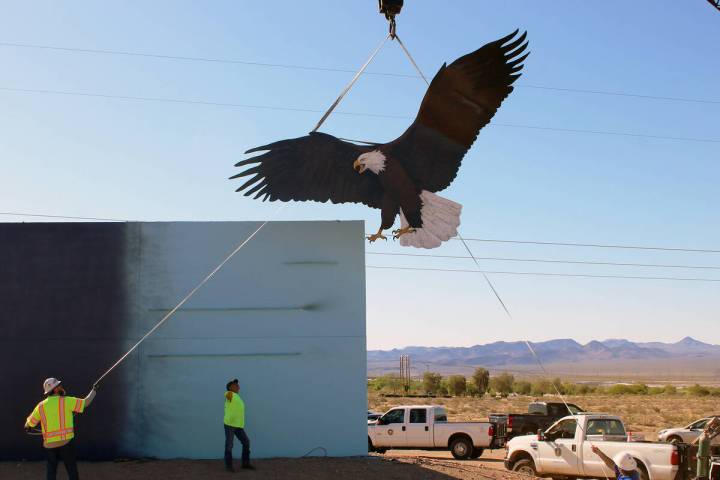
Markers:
315,167
461,99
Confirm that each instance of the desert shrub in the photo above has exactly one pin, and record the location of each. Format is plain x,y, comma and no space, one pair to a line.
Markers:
472,390
624,389
431,383
390,383
481,380
584,389
503,383
541,387
522,387
670,389
457,385
697,391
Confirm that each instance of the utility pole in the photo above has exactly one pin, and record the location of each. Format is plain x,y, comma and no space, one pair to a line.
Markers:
405,372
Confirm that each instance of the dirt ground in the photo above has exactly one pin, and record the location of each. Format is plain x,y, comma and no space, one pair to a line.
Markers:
394,465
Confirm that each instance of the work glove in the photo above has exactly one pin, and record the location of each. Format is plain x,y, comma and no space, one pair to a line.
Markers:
95,386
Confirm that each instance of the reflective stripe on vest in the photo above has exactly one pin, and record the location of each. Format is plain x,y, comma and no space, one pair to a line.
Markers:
56,420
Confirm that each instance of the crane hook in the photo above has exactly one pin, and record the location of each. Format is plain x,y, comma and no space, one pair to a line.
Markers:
390,8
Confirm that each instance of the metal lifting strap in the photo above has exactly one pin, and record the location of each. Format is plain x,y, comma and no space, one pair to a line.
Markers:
350,85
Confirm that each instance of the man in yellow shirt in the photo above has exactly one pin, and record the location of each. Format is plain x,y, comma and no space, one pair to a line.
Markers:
235,426
55,416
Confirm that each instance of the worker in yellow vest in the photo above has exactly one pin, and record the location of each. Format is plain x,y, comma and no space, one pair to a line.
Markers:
235,426
55,416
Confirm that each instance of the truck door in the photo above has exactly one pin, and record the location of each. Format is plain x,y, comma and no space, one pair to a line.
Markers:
419,432
559,455
392,431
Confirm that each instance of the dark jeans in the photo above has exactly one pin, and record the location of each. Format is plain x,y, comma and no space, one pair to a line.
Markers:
231,432
66,453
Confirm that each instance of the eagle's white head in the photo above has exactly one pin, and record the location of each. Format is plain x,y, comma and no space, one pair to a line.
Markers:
373,161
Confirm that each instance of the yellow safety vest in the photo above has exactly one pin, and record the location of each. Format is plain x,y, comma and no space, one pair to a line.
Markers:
55,416
235,411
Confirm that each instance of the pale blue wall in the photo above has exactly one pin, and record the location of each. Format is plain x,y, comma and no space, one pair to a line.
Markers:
286,316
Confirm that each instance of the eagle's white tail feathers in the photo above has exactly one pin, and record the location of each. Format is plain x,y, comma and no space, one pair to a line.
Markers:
440,218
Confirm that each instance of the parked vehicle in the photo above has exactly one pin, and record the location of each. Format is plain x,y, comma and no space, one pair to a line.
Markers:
425,427
715,468
565,450
372,416
687,434
539,417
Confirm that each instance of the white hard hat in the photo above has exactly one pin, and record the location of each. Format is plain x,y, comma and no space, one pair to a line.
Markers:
50,384
626,462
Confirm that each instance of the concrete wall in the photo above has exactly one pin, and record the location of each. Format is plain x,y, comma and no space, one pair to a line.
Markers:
286,316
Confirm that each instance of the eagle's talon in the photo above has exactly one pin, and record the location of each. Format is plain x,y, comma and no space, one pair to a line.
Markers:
375,236
402,231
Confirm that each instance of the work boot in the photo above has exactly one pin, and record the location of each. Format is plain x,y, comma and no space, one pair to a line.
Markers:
229,468
248,467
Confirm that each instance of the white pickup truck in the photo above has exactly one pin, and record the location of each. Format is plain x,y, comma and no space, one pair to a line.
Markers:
565,450
425,427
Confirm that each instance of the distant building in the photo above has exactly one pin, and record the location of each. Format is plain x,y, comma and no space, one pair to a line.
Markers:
286,316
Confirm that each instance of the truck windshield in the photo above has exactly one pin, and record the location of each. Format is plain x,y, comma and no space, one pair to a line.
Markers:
564,429
394,416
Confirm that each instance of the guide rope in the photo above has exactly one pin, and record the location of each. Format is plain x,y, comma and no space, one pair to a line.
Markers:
189,295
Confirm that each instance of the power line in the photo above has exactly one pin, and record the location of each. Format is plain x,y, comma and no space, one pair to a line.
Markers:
19,214
595,245
531,242
537,260
361,114
544,274
193,102
331,69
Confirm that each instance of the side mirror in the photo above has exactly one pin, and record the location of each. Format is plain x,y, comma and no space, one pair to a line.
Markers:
380,421
541,435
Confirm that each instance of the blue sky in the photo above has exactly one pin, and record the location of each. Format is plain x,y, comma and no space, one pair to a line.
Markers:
102,157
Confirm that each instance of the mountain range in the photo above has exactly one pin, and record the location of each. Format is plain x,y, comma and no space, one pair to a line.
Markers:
561,351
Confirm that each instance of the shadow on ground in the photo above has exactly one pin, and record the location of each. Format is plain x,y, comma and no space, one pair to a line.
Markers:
281,468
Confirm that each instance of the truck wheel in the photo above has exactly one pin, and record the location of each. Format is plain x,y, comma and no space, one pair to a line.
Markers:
476,452
461,448
525,467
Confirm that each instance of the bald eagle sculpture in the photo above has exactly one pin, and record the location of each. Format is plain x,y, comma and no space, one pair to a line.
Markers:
402,176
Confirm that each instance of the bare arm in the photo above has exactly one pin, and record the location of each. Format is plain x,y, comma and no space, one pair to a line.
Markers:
609,462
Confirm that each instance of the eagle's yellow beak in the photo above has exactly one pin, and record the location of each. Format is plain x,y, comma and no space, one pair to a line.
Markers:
359,167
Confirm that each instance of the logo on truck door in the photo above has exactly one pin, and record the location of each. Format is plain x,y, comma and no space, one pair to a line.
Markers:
390,431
